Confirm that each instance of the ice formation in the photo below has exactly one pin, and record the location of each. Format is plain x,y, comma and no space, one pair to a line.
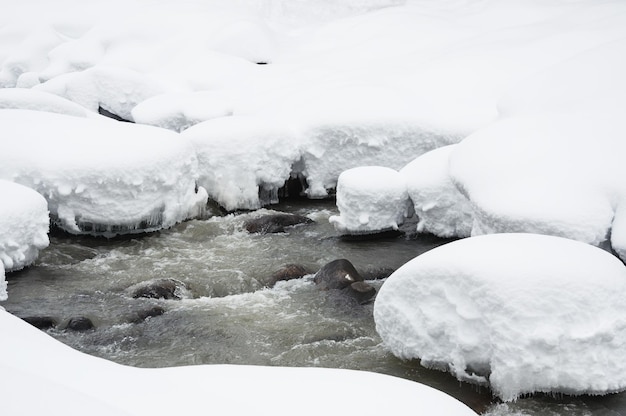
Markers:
100,176
94,386
371,199
23,228
441,209
525,312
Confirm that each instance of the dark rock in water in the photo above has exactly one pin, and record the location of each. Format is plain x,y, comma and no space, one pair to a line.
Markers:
41,322
275,223
361,291
107,113
380,235
80,323
288,272
159,289
147,313
377,273
338,274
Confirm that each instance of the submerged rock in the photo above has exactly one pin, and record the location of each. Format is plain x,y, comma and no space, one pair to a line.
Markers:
288,272
41,322
361,291
80,323
144,314
275,223
166,288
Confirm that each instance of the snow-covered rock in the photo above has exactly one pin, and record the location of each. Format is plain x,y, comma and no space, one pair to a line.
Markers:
28,99
179,111
24,225
29,357
441,209
525,313
99,176
370,199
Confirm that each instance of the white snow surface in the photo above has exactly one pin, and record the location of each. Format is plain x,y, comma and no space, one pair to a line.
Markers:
441,209
373,83
28,99
100,176
90,385
525,312
24,225
371,199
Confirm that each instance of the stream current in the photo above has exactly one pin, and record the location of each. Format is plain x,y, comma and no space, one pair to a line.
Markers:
231,313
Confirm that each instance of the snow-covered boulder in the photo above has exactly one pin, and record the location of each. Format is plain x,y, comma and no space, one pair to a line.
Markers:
99,176
90,385
24,225
370,199
441,209
525,313
28,99
179,111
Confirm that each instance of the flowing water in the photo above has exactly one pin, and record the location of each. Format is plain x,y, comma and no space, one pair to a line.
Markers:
230,312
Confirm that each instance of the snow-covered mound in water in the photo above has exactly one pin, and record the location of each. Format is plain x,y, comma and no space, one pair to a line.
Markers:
442,210
28,99
526,313
24,226
99,176
29,357
370,199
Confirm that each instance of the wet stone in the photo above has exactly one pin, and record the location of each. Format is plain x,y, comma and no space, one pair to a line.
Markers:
288,272
41,322
159,289
80,323
361,291
142,315
338,274
275,223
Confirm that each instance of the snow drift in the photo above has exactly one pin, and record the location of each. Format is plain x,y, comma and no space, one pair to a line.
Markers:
525,313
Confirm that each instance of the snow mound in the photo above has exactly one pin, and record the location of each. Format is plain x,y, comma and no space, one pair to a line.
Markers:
24,225
370,199
30,357
27,99
527,313
115,89
100,176
442,210
179,111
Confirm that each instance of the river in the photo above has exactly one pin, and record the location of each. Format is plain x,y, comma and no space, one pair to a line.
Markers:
231,313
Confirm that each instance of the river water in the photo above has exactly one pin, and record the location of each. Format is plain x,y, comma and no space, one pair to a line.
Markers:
230,312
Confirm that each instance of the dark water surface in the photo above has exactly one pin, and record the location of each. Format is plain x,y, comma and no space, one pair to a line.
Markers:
229,313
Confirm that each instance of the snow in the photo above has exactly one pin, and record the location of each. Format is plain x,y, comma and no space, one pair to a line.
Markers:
99,387
524,312
27,99
370,199
99,176
23,225
441,209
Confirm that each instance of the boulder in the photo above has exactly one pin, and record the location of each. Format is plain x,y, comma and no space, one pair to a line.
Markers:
80,323
144,314
288,272
41,322
361,291
338,274
275,223
165,288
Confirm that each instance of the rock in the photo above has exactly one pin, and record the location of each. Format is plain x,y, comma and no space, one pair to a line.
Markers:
361,291
377,273
159,289
338,274
275,223
80,323
41,322
142,315
288,272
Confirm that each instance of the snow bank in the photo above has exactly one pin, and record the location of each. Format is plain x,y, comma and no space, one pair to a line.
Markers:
99,176
441,209
527,313
179,111
27,99
370,199
29,357
23,225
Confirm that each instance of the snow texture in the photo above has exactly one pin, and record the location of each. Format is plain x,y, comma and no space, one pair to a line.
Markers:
370,199
526,313
23,225
441,209
99,176
28,99
29,357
